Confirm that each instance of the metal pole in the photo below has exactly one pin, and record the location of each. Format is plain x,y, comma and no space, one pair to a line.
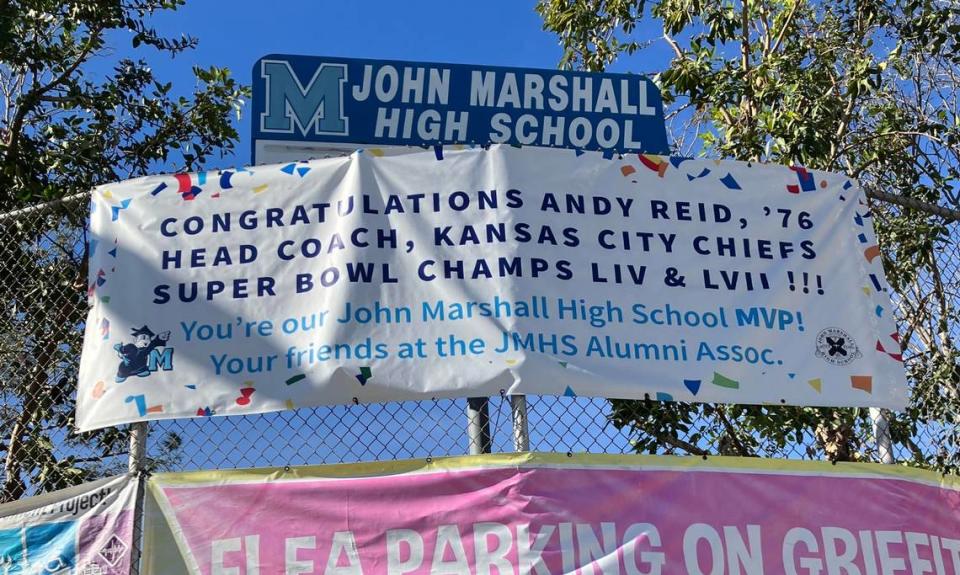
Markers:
478,425
136,464
881,434
521,429
138,447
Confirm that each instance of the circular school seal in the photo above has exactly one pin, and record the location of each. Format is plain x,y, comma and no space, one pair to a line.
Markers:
836,346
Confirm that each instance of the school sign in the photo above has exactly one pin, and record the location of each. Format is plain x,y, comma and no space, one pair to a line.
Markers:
303,105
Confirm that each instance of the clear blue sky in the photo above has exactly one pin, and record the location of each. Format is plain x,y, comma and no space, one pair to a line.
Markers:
235,34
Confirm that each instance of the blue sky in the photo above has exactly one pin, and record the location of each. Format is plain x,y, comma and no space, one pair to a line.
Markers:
235,34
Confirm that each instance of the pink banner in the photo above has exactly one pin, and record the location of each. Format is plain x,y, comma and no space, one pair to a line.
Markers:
549,514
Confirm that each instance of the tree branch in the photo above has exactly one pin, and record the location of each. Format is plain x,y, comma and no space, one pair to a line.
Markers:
871,137
32,98
742,449
786,26
673,44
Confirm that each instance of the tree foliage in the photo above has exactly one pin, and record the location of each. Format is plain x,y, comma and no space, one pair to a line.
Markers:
864,87
65,128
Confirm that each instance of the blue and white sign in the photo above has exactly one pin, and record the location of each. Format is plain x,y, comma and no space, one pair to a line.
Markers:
301,101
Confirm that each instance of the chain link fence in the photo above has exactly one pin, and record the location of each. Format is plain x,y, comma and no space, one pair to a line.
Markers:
43,290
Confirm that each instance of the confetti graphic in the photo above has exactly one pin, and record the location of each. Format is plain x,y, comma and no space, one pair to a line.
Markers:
693,385
245,394
723,381
115,210
654,163
894,348
730,182
862,382
141,404
185,187
296,378
816,384
806,181
98,282
184,183
364,376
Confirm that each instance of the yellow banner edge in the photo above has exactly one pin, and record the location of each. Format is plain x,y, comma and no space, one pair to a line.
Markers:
579,460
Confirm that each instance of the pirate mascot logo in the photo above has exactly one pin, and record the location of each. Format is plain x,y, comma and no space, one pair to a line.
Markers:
836,346
148,353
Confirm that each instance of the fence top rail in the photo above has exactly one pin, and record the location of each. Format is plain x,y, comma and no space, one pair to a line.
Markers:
37,208
933,209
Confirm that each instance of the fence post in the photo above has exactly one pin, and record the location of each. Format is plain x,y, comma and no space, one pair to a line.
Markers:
138,447
521,429
881,434
478,425
136,464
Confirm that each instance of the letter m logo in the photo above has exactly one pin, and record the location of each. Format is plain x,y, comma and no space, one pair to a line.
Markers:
316,107
158,360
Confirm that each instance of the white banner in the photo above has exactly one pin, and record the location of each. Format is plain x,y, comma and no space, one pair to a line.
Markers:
472,272
87,530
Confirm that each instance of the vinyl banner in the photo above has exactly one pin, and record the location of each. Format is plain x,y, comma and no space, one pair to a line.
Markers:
87,530
479,272
553,514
